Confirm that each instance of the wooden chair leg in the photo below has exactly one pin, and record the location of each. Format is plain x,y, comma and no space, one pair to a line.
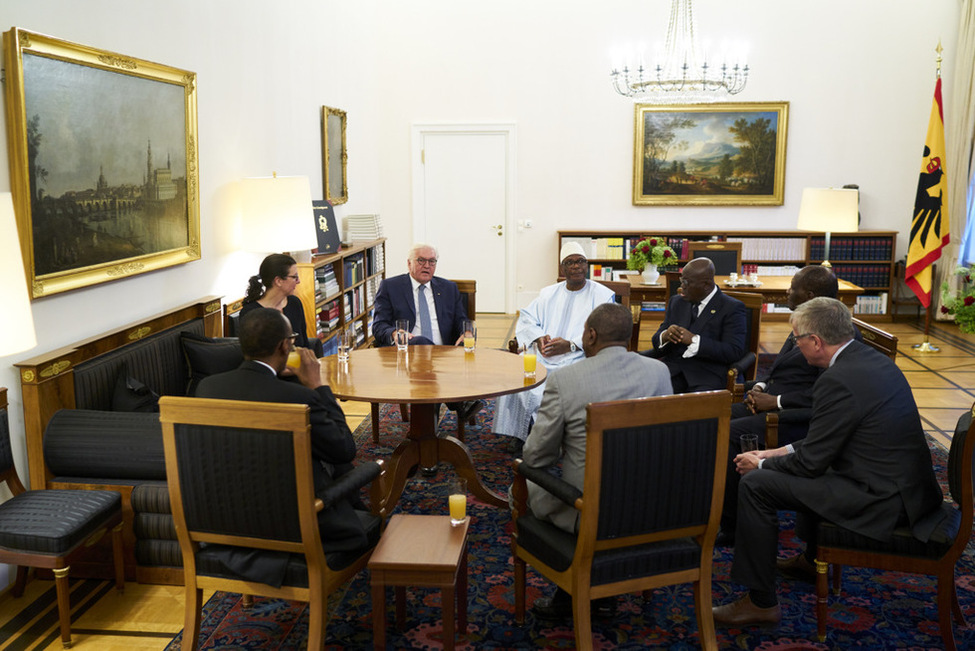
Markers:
519,591
375,422
400,592
821,598
705,614
837,578
946,590
955,606
582,617
21,582
460,429
404,412
118,558
192,615
64,604
246,601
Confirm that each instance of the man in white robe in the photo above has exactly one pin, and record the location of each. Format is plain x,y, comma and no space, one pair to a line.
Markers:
555,322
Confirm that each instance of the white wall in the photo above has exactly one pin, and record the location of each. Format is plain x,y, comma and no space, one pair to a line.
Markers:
858,76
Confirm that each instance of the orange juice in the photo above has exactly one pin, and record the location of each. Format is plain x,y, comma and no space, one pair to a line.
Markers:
294,359
530,361
469,344
458,508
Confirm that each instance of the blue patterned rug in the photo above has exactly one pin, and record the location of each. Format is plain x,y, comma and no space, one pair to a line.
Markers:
878,610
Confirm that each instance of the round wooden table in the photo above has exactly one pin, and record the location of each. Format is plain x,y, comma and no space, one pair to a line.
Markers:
424,377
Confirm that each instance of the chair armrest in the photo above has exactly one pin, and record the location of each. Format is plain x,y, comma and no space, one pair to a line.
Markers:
351,482
740,367
565,491
795,415
774,418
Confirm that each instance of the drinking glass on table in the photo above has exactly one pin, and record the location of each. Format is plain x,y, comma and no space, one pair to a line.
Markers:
749,442
402,334
294,359
457,500
530,356
346,338
733,278
470,336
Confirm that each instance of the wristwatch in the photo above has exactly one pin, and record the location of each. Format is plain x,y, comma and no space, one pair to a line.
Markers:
573,347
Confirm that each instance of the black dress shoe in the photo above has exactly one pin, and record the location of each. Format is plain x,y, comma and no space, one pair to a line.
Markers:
559,606
515,446
429,472
724,539
468,409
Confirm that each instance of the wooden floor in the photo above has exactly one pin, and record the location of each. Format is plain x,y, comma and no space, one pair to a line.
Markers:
148,617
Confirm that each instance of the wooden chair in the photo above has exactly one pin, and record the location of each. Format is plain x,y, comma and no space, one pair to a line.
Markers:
873,336
50,529
240,475
905,553
674,448
468,296
747,366
726,256
622,292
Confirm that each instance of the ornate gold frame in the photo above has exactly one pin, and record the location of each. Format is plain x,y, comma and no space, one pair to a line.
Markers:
687,189
334,156
19,43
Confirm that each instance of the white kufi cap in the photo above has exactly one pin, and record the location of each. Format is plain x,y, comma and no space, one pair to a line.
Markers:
570,248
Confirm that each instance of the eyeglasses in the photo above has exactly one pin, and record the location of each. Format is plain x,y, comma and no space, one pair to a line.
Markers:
426,261
805,334
575,262
294,277
292,336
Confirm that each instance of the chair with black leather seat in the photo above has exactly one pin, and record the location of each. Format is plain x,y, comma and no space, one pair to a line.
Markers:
673,448
240,480
905,553
49,529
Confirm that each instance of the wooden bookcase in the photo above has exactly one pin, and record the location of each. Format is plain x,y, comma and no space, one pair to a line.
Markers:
338,291
865,258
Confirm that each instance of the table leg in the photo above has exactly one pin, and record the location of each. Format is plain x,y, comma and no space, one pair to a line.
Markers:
378,614
462,592
405,457
400,606
447,598
456,453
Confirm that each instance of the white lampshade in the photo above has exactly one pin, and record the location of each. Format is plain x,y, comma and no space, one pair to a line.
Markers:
276,214
829,210
17,323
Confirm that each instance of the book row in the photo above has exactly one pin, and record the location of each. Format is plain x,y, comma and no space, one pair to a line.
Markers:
852,248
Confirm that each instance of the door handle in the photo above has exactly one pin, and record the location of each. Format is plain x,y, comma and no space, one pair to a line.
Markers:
499,228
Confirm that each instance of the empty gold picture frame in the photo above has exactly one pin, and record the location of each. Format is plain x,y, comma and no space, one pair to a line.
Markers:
334,156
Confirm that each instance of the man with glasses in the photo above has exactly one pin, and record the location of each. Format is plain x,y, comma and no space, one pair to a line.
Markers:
703,332
864,465
265,341
554,322
430,304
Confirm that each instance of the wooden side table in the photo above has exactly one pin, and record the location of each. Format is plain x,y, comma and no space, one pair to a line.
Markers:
425,551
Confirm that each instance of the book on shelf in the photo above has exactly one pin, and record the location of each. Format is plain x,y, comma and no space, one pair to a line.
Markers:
359,228
653,306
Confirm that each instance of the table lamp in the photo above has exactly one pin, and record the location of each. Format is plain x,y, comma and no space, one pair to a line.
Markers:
829,210
17,324
276,214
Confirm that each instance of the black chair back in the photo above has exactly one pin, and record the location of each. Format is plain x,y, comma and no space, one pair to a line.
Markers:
6,453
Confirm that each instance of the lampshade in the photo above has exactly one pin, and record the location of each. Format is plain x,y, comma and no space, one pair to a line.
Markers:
829,210
17,323
276,214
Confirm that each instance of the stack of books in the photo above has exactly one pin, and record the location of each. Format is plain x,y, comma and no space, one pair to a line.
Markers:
362,228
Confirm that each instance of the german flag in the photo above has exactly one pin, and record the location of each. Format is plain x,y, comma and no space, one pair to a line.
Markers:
929,229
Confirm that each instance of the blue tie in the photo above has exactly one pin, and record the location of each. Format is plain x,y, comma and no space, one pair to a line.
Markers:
426,329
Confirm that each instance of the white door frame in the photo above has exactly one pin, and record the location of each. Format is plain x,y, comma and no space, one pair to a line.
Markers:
419,193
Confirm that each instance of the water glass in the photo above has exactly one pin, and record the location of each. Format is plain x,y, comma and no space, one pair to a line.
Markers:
402,334
733,278
457,500
470,336
530,357
749,442
346,339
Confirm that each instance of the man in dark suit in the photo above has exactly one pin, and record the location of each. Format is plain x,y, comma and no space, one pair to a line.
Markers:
266,340
703,332
399,297
864,464
787,385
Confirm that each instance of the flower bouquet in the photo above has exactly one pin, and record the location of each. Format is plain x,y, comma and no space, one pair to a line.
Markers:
962,304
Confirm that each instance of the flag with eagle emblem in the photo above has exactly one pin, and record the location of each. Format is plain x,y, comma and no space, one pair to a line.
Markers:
929,229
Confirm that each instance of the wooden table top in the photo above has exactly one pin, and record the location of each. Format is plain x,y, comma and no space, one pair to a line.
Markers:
426,374
420,542
770,285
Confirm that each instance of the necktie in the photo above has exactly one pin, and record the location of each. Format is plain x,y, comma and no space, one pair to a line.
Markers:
694,308
423,312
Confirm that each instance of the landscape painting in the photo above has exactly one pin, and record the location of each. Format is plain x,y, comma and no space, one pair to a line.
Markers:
710,154
103,163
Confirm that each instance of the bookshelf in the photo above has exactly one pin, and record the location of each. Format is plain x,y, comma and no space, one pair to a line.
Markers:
865,258
338,291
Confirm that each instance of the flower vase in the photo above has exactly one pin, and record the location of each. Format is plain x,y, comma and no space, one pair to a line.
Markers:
650,274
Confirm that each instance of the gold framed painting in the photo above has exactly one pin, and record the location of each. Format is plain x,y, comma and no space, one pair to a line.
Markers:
334,156
725,154
103,162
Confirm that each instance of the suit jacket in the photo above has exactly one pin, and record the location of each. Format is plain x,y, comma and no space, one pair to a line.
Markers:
333,450
722,328
866,448
560,427
394,300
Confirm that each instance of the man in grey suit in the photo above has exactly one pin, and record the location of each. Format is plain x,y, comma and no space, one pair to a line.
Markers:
608,372
864,464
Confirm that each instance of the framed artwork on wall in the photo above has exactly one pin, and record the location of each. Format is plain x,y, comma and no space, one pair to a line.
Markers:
710,154
103,162
334,156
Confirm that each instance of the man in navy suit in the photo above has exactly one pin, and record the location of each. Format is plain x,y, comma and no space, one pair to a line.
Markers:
703,332
399,298
864,465
787,385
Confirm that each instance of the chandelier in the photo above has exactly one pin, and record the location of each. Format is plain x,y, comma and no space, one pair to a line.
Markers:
683,70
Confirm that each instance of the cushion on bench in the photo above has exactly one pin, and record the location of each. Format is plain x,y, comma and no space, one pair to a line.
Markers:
104,445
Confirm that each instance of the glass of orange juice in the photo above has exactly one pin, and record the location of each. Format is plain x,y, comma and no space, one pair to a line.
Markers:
470,336
530,357
294,359
457,500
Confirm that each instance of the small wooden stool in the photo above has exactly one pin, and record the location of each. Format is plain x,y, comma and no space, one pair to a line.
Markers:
424,551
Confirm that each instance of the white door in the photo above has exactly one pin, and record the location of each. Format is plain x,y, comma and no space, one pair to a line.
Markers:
462,204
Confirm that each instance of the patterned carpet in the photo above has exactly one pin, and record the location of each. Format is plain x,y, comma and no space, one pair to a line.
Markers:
876,611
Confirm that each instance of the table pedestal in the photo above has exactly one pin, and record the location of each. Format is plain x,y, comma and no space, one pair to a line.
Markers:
424,448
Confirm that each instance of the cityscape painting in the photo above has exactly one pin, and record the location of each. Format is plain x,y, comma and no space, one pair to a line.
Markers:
710,154
105,177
